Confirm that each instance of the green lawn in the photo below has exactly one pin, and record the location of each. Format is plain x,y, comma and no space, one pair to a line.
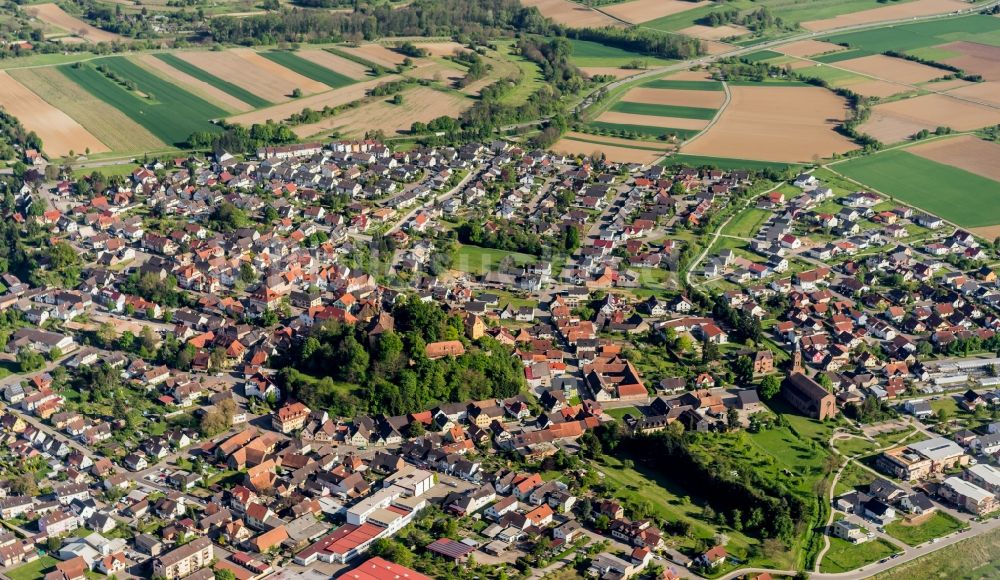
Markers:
725,163
664,110
856,446
121,169
953,194
476,260
202,75
844,556
747,223
620,412
853,477
307,68
646,130
171,113
939,524
684,85
32,570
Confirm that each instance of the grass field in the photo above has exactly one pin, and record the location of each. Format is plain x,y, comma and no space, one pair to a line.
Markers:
844,556
684,85
939,524
853,477
953,194
476,260
971,558
32,570
586,53
664,110
172,114
724,163
975,28
747,223
306,68
620,412
202,75
643,129
761,56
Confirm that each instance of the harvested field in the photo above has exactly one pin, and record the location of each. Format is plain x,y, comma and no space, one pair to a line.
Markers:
54,15
987,93
652,121
250,74
713,32
940,86
639,11
690,75
307,68
106,123
438,71
792,124
886,13
419,104
375,54
442,48
617,153
980,59
679,97
897,70
809,48
290,78
199,87
897,121
715,47
987,233
333,98
348,68
879,89
615,141
965,152
618,73
60,134
571,14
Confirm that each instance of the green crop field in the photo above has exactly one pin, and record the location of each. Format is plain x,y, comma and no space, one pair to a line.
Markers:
684,85
834,76
171,113
841,56
224,86
725,163
306,68
964,198
975,28
643,129
663,110
761,56
587,53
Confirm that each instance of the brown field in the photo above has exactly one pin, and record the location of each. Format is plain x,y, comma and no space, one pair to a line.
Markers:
109,125
442,48
792,124
678,97
713,32
346,67
419,104
616,72
614,140
885,13
652,121
809,48
986,232
639,11
199,87
898,70
60,134
716,47
443,72
987,93
980,59
964,152
375,53
617,153
243,68
54,15
333,98
879,89
897,121
939,86
571,14
690,75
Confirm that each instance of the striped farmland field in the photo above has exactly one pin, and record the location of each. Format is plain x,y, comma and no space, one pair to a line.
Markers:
202,75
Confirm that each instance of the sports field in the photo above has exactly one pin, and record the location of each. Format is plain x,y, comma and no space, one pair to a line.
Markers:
306,68
167,111
959,196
